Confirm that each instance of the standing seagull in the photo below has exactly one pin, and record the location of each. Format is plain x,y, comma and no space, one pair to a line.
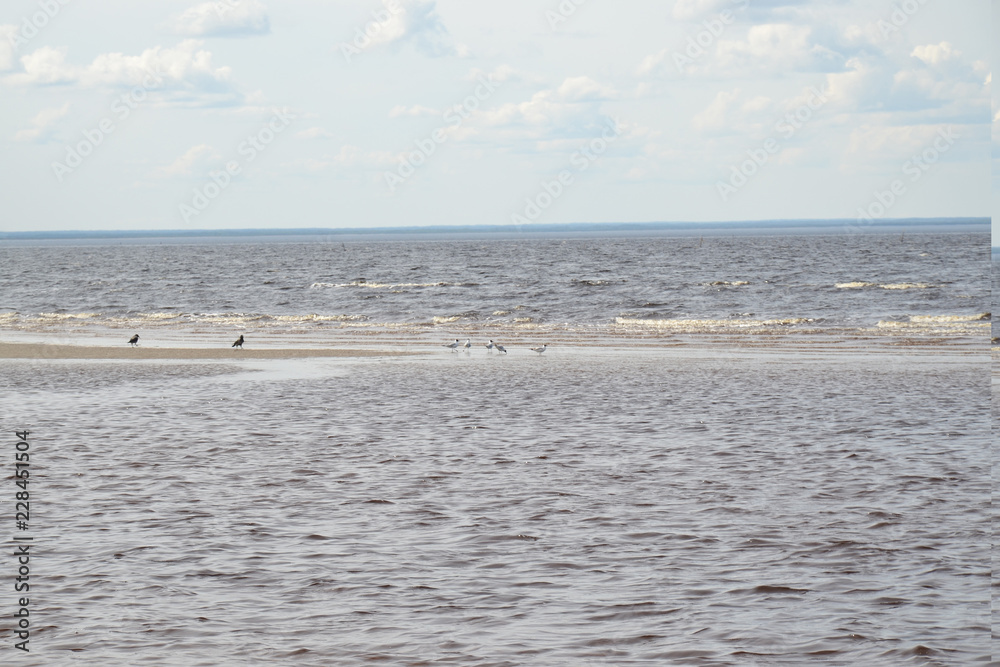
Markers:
468,344
239,342
453,346
134,340
489,346
500,347
541,349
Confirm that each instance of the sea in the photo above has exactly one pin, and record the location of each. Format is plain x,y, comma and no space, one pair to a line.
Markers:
735,450
412,290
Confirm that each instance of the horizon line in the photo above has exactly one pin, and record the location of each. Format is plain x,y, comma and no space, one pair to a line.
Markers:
565,227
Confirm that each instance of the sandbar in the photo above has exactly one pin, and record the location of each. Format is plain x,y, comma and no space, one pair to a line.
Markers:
49,351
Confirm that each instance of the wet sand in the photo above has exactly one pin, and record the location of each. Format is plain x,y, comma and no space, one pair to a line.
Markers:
48,351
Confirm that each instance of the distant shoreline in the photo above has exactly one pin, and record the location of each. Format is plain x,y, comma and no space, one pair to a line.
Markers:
566,230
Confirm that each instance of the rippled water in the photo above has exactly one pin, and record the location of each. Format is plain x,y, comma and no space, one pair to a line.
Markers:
669,284
587,507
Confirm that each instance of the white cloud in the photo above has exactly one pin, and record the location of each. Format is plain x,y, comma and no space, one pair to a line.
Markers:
770,49
777,47
570,109
223,18
44,66
415,21
933,79
729,113
584,89
652,63
862,86
870,142
195,161
41,123
935,54
186,72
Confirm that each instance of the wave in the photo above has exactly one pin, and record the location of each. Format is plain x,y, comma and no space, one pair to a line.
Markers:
728,283
951,318
56,317
941,324
893,286
448,319
317,318
710,324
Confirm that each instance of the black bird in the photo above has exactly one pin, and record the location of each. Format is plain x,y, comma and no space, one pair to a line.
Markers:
134,340
239,342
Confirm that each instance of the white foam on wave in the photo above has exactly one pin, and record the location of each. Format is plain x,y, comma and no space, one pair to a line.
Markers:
858,284
938,324
56,317
951,318
299,319
709,324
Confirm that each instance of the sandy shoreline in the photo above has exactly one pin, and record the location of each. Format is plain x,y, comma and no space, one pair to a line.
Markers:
49,351
372,349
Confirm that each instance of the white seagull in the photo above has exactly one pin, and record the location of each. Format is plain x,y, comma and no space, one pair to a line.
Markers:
468,344
541,349
489,346
500,347
453,346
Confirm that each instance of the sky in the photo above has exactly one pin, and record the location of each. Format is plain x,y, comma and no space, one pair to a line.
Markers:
178,114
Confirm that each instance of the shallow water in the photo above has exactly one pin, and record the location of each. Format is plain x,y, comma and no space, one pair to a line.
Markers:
586,507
